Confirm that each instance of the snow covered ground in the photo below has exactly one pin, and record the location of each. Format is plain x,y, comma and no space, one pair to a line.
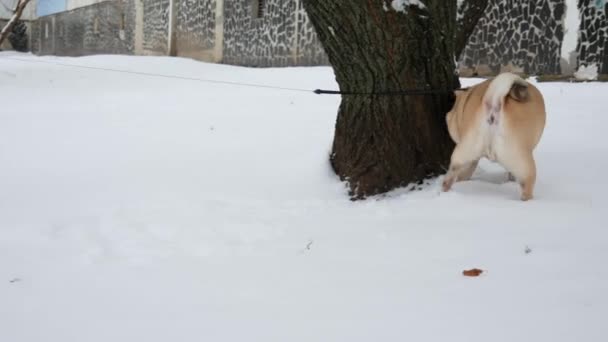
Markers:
135,208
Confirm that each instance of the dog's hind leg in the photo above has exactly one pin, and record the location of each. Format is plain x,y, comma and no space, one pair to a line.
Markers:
467,171
464,160
528,180
521,165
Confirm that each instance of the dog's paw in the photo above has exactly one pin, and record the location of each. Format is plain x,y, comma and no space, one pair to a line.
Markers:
447,184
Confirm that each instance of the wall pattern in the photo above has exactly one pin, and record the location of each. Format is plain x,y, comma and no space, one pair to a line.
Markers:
156,25
592,47
519,35
310,50
282,37
525,33
103,28
195,27
266,41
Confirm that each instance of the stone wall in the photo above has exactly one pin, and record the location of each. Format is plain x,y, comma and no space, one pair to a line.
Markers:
592,47
518,35
156,26
310,51
103,28
195,29
264,41
282,36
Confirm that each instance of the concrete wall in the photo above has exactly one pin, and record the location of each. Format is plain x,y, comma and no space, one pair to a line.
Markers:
103,28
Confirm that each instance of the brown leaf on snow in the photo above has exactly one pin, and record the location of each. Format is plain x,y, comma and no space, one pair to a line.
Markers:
475,272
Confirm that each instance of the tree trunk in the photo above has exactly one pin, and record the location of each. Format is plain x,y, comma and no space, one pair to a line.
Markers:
8,27
384,142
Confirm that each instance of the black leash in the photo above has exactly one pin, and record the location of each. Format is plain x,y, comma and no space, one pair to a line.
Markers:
394,92
316,91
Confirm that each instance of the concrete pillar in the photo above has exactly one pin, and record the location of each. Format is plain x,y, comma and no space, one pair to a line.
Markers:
171,46
218,48
139,28
52,34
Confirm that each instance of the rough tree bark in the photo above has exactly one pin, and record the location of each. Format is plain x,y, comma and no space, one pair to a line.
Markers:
16,15
384,142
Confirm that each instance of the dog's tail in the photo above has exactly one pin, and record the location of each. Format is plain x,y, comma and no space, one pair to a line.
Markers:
503,85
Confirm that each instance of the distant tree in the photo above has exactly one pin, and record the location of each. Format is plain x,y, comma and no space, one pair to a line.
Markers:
18,37
382,142
8,28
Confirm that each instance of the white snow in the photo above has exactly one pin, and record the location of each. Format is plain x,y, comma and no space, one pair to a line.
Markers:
135,208
572,22
402,5
586,72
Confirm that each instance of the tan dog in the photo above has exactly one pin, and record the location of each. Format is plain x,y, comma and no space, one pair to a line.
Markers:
501,119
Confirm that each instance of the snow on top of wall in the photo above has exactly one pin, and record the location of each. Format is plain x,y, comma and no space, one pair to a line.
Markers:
571,25
402,5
